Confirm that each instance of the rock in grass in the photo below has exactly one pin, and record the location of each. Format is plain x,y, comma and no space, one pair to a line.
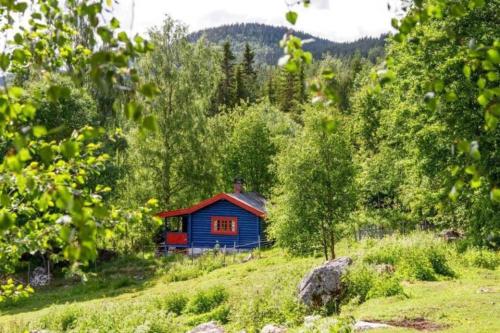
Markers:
270,328
40,277
323,284
210,327
365,325
385,269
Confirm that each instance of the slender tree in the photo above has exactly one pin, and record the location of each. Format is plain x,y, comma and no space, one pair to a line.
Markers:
315,192
226,90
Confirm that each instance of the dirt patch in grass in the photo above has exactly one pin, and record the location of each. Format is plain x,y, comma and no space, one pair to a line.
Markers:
418,323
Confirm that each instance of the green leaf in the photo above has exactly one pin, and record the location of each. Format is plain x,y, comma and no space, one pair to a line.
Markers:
493,56
291,17
54,93
7,219
438,86
115,24
69,149
4,61
481,83
483,100
150,123
495,195
467,71
18,38
39,131
149,90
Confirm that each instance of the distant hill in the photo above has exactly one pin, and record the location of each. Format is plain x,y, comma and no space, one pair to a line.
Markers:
265,40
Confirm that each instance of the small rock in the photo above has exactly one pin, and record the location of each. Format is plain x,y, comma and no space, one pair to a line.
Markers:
384,269
270,328
39,277
365,325
248,258
323,284
450,235
310,321
210,327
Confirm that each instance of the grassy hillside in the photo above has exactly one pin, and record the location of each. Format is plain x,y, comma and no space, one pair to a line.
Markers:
174,294
264,39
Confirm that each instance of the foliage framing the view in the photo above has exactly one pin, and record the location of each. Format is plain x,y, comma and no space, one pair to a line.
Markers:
47,204
482,64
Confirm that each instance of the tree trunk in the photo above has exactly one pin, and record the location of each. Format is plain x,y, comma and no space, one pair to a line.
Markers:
325,244
325,241
332,244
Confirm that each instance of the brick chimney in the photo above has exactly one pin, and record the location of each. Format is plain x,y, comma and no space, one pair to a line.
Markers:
239,185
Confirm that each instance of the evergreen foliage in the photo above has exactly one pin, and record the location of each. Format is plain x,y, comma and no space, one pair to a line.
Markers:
264,38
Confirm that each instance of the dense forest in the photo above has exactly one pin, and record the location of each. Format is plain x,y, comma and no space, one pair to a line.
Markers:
263,39
100,131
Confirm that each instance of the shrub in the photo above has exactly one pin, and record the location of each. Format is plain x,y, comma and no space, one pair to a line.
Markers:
279,306
181,272
439,261
385,286
419,256
205,301
174,303
415,265
220,314
122,282
481,258
363,282
63,320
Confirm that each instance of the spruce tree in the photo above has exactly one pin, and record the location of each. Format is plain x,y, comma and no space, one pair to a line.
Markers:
226,90
241,91
249,84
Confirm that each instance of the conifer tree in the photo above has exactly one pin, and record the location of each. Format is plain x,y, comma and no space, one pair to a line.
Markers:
241,92
226,89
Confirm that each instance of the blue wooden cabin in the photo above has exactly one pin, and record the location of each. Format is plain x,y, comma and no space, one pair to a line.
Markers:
231,220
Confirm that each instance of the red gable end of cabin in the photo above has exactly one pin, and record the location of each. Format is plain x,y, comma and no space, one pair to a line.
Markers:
207,202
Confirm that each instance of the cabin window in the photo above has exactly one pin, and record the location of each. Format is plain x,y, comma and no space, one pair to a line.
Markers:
224,225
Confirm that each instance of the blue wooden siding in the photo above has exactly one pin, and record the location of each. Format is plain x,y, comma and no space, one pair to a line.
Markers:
249,227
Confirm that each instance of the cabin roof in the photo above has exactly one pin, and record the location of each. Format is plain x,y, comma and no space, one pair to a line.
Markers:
249,201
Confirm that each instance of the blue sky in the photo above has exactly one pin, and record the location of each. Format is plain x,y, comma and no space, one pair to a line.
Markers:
339,20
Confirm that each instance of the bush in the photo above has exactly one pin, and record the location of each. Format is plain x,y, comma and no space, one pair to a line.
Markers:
364,282
182,272
174,303
207,300
220,314
268,306
419,256
121,282
481,258
61,321
415,265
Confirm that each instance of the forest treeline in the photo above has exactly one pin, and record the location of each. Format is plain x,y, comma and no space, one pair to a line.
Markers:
373,158
264,39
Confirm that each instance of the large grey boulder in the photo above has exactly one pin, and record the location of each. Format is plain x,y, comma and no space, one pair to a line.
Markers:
210,327
323,284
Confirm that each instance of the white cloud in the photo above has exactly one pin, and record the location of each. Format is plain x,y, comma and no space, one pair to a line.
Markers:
339,20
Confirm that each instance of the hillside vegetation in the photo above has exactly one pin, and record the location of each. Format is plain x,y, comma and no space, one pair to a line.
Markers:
100,131
454,291
264,39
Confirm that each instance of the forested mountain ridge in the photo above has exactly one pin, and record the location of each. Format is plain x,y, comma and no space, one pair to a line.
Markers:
264,39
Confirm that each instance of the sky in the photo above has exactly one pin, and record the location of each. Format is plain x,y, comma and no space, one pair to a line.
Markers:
337,20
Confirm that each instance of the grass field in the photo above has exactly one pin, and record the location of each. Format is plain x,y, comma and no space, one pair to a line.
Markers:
138,295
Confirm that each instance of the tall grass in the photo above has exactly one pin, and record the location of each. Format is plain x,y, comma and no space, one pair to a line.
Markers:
418,256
